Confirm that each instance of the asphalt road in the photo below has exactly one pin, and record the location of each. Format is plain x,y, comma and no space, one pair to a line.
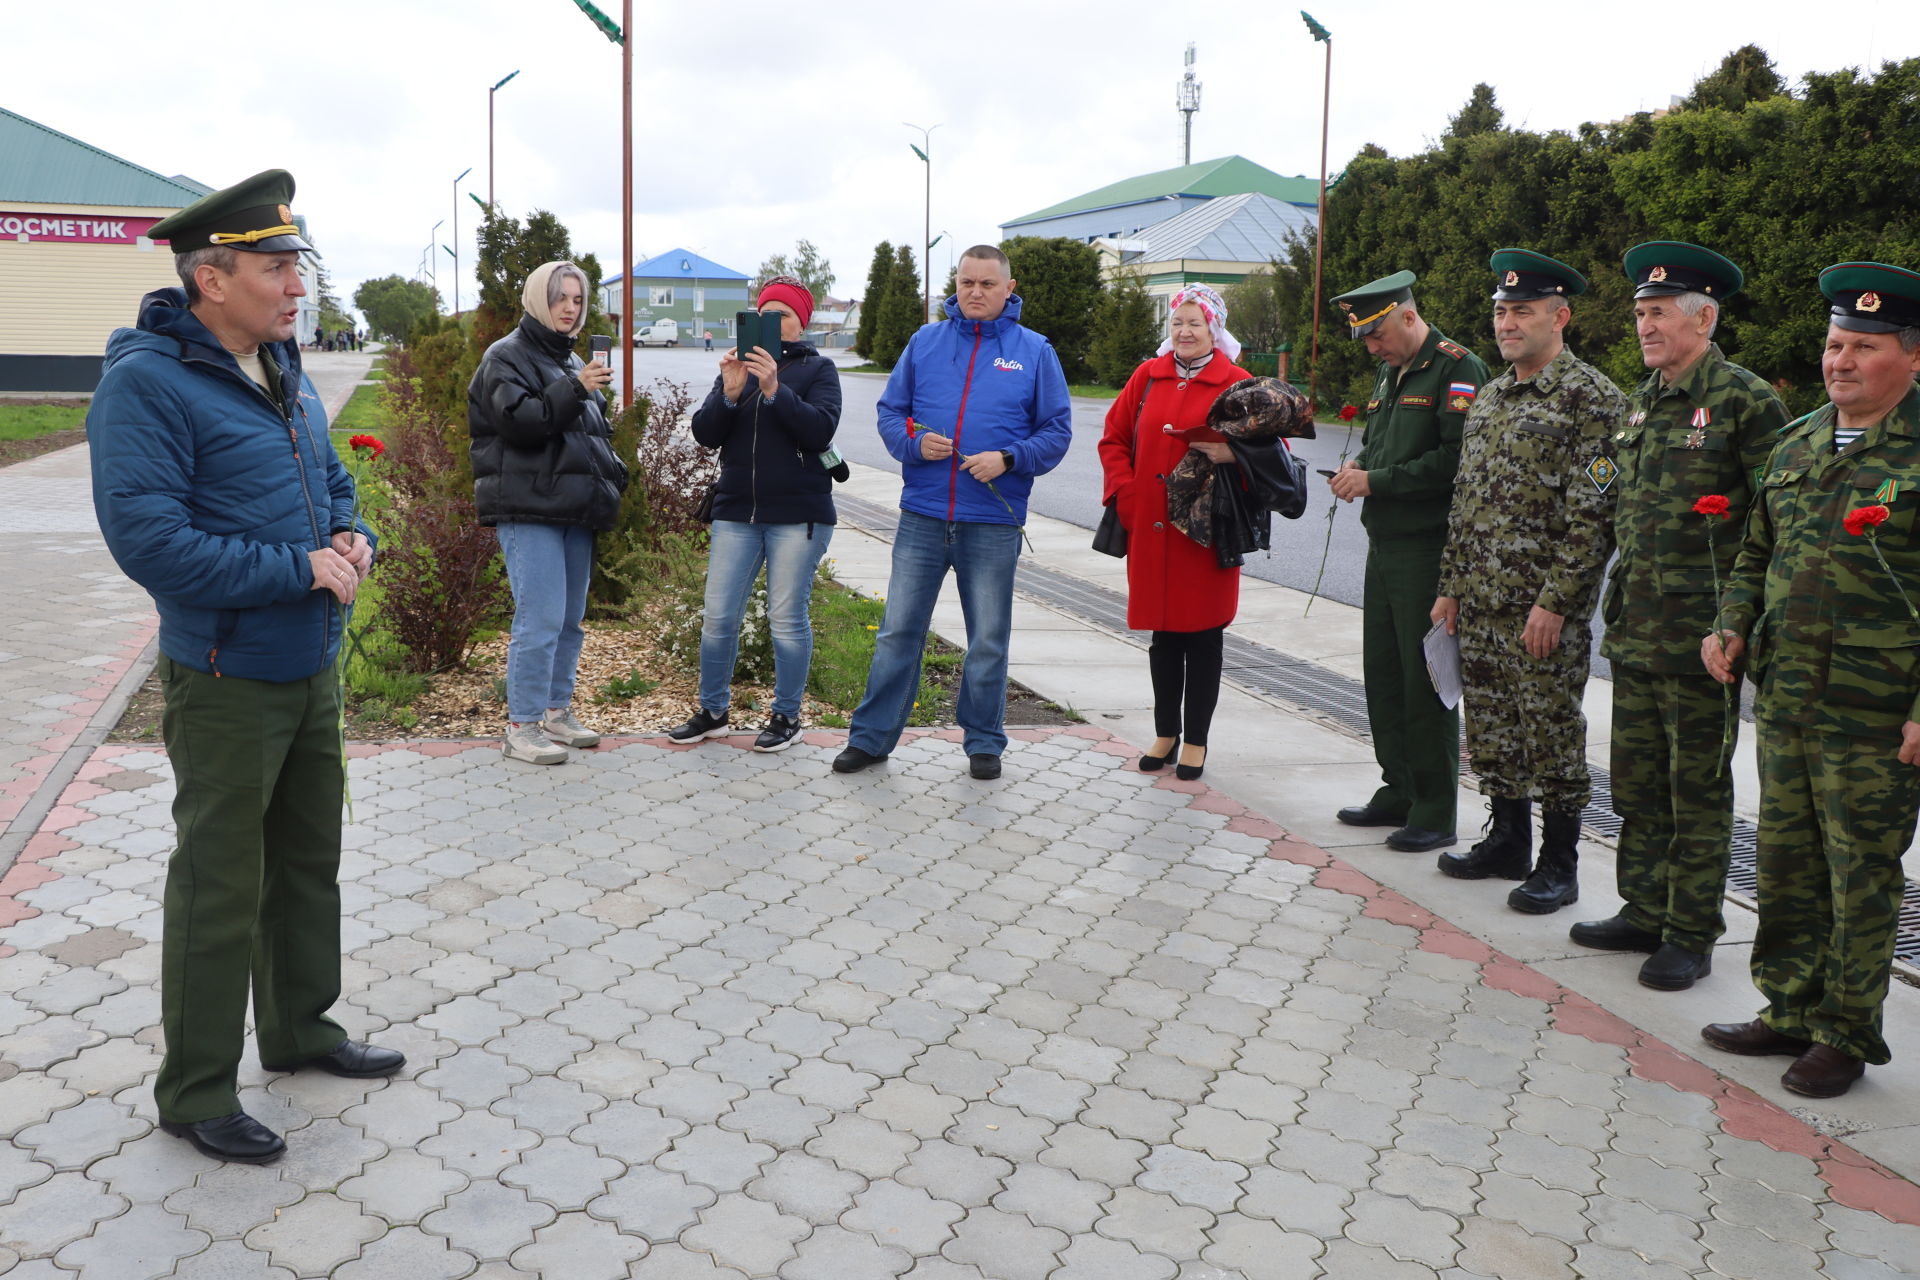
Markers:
1072,491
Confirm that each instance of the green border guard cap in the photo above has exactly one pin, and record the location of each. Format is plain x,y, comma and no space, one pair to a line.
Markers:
1368,307
1663,268
1521,275
1872,297
254,215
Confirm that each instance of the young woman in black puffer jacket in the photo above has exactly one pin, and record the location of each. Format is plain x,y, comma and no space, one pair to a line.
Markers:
771,416
545,477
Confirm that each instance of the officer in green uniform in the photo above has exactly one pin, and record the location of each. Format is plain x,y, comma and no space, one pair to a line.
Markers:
1701,427
1405,472
218,491
1828,632
1527,539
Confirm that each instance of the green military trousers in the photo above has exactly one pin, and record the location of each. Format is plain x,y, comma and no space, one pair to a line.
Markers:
1673,790
1526,729
1415,738
1836,814
253,893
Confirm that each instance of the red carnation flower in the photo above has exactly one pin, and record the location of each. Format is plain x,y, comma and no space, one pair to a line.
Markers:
370,443
1714,504
1860,519
1348,413
913,428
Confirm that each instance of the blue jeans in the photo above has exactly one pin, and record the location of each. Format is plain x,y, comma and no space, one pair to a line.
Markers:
735,552
982,557
548,566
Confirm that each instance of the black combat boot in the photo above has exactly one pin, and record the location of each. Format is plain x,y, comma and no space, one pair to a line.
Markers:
1555,881
1506,851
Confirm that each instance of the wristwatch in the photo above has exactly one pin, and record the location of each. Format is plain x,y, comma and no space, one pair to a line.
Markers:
1007,458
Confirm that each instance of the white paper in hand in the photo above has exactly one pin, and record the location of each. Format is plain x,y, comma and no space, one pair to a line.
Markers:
1443,664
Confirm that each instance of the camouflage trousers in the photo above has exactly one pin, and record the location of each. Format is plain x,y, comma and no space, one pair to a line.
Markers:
1674,794
1526,731
1836,814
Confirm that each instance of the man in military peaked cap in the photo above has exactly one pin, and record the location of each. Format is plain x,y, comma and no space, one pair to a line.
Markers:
1832,643
218,490
1405,473
1527,540
1700,426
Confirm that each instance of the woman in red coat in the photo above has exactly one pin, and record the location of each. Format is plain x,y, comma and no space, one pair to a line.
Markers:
1175,587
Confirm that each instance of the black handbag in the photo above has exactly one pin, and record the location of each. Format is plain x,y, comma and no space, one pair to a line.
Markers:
1110,538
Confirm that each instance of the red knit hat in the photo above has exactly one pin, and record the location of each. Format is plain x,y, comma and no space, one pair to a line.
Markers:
790,291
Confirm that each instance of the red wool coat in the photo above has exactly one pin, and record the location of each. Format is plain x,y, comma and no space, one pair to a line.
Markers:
1173,583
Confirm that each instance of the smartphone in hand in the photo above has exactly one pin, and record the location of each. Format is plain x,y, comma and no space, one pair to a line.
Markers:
757,330
600,344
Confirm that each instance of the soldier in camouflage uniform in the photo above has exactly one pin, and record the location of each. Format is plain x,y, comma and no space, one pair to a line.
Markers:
1701,426
1527,539
1404,472
1835,652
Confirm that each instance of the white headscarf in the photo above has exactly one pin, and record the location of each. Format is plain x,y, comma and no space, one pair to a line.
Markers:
540,290
1214,308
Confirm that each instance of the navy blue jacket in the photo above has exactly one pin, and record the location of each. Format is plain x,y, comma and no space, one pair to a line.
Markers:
770,470
986,385
210,497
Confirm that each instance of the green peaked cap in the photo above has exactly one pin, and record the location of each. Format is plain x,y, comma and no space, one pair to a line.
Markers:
1368,307
254,215
1872,297
1521,275
1662,268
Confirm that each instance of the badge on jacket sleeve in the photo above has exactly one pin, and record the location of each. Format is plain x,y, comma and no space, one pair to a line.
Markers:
1602,471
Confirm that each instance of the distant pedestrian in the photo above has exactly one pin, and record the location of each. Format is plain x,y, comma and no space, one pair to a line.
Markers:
1527,539
1701,426
217,491
1404,475
771,416
982,380
706,336
1176,588
1835,656
545,477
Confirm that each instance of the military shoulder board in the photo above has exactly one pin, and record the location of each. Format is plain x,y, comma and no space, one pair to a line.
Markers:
1451,348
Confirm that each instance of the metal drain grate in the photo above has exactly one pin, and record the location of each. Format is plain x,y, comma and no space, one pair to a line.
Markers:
1259,669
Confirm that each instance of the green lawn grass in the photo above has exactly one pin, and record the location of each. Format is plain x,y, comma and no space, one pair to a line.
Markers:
362,412
30,421
1093,390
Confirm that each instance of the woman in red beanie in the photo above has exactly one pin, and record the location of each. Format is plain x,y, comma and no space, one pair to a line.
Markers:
771,416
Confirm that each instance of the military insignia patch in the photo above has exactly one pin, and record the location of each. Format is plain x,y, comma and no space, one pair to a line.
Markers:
1453,349
1460,396
1657,275
1602,471
1869,303
1513,278
1887,492
1639,416
1418,402
1372,405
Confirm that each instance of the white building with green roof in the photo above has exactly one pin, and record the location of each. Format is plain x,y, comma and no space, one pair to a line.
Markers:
1122,210
75,259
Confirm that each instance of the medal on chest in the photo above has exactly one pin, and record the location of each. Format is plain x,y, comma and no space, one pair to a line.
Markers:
1697,438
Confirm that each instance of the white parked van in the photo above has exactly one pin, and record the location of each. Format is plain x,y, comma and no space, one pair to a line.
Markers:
664,333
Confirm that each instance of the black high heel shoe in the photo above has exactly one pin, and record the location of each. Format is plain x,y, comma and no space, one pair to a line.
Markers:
1188,772
1153,764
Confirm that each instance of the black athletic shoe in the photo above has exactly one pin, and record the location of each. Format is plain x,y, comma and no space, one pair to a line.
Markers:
779,734
704,724
853,760
984,766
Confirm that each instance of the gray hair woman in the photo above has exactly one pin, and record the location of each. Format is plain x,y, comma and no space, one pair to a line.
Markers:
545,477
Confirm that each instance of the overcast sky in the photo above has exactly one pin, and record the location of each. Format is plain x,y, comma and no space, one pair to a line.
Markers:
758,123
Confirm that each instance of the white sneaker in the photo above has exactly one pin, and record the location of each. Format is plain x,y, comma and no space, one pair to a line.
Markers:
560,725
529,742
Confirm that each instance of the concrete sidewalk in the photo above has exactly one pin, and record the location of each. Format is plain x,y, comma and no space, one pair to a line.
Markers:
699,1012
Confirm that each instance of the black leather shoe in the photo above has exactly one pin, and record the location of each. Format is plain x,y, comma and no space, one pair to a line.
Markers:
353,1059
853,760
1752,1039
238,1137
1420,840
984,766
1674,968
1188,772
1615,933
1823,1072
1370,815
1153,764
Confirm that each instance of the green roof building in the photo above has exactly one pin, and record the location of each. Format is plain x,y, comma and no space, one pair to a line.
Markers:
1122,209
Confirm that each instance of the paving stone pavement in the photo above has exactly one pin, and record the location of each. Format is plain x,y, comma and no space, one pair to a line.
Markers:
701,1012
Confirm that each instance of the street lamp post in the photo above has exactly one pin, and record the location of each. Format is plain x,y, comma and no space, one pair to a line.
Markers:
456,240
1323,36
433,274
490,92
926,229
618,34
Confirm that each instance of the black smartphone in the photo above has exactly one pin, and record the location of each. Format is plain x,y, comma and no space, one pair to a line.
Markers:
600,344
1323,471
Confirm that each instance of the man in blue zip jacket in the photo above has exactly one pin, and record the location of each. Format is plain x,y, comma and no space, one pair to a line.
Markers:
976,408
218,491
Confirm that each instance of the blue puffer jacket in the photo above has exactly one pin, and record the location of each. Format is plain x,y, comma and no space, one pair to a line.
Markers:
211,498
988,385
